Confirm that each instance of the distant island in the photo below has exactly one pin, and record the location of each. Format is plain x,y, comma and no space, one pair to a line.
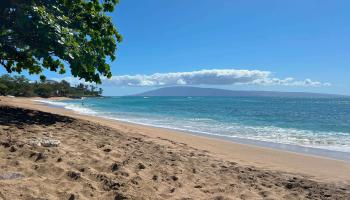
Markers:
20,86
198,91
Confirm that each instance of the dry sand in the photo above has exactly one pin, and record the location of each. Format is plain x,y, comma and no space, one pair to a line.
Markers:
105,159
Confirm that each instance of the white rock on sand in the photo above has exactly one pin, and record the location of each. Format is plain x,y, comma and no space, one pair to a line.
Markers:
45,142
11,175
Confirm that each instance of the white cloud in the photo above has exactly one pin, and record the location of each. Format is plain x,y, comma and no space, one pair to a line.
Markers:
71,80
201,77
290,82
206,77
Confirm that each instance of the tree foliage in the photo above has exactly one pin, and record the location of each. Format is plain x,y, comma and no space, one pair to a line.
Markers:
21,86
50,34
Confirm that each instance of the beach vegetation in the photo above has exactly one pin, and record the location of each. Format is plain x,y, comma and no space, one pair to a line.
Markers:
21,86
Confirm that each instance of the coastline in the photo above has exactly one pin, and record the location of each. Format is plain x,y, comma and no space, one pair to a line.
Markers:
317,168
288,143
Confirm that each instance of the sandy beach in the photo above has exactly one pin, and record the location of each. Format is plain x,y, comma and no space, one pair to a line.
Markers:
106,159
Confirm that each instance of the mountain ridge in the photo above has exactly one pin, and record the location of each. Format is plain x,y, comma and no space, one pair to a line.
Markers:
199,91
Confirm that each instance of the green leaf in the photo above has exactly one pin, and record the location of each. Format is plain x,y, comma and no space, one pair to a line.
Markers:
38,35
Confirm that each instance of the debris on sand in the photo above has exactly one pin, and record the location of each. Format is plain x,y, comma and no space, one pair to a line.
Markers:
141,166
115,167
45,142
13,149
11,175
73,175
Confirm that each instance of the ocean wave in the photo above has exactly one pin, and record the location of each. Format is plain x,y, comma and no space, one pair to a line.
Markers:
202,119
51,102
335,141
70,106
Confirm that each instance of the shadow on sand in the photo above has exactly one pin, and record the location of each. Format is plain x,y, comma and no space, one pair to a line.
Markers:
12,116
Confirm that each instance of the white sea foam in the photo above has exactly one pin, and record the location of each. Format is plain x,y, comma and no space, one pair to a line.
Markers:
335,141
75,107
56,103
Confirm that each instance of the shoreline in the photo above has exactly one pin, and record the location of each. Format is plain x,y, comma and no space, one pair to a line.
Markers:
316,167
305,150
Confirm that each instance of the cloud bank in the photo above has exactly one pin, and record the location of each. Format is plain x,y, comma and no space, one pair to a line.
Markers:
207,77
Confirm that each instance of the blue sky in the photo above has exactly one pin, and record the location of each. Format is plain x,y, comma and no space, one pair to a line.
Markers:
299,39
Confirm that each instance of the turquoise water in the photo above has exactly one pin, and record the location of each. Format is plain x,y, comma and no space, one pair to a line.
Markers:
310,122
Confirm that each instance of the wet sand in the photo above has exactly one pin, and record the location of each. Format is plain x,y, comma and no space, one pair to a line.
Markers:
106,159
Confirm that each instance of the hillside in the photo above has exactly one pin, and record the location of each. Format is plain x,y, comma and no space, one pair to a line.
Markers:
197,91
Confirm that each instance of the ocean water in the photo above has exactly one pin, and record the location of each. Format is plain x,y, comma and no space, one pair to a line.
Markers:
322,123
